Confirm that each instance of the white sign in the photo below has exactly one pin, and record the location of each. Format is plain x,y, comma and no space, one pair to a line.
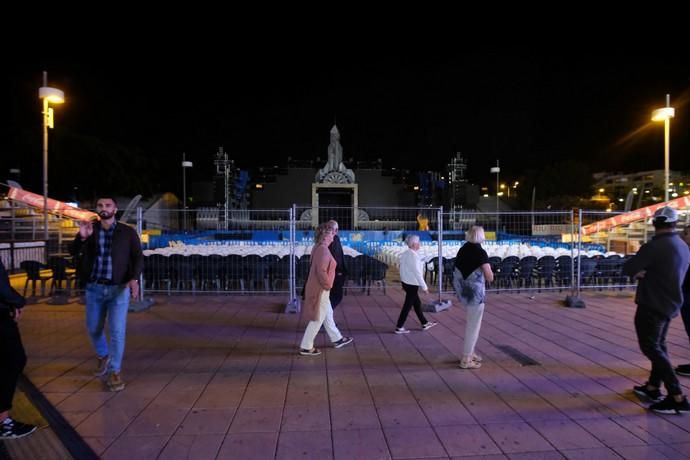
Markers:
552,229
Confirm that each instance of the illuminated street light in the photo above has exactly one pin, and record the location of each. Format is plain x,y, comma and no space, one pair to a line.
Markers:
496,169
49,96
185,164
665,114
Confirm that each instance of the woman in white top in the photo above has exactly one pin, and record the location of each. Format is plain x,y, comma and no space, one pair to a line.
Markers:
412,279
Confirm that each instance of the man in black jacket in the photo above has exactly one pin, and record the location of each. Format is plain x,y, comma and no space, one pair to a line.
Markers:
336,249
109,264
12,357
660,266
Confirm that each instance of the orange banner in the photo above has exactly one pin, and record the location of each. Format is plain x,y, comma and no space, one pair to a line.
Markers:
54,206
633,216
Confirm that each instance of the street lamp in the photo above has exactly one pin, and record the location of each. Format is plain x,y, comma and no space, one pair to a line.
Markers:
665,114
185,164
54,96
496,169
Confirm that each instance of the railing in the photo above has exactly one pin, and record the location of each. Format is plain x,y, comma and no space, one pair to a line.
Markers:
267,251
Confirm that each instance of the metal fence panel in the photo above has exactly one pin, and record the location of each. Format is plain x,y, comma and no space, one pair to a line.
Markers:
604,271
365,233
528,251
13,253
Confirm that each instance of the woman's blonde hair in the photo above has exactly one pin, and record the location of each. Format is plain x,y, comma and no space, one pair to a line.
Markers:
475,234
321,232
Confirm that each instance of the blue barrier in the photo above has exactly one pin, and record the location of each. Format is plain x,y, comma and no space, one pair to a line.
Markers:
365,241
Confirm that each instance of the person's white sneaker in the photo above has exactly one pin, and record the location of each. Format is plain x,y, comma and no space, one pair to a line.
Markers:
428,325
401,330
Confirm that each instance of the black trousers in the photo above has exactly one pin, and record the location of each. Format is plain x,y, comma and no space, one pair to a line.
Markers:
411,300
336,295
12,358
651,328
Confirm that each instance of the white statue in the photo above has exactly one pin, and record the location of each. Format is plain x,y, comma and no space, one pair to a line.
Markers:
335,171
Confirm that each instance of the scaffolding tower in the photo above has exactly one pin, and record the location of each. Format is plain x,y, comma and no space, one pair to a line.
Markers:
224,171
458,182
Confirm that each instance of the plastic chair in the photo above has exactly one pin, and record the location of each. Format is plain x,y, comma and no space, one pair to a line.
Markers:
33,273
59,266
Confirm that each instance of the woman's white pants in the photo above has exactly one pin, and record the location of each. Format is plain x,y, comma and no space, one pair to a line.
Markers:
325,319
472,326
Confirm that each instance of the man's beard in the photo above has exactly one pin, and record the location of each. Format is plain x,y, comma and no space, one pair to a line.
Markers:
105,214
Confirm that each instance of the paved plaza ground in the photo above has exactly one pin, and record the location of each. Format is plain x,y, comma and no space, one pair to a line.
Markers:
219,377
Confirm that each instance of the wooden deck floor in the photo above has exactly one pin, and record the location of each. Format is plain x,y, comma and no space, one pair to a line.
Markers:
219,377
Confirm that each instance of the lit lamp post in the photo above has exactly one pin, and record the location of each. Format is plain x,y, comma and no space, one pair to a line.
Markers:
496,169
665,114
54,96
185,164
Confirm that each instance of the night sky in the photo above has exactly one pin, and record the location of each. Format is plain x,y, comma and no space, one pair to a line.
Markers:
413,110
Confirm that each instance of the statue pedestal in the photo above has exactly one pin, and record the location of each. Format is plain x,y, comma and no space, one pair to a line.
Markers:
326,196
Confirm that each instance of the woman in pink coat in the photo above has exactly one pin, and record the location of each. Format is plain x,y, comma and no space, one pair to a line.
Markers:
317,305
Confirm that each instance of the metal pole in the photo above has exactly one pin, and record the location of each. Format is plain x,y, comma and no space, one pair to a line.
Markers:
440,253
184,192
498,172
579,252
293,288
45,161
667,148
572,253
140,303
294,304
227,190
140,230
534,194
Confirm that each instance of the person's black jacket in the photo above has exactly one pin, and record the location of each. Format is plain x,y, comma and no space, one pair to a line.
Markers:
337,252
128,260
9,298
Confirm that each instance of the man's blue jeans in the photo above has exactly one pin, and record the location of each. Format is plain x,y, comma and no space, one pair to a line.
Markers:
112,302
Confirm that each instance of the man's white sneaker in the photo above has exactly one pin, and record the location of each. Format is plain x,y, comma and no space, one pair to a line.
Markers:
401,330
428,325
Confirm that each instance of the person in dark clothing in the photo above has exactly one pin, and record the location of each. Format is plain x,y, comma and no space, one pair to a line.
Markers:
12,357
110,262
684,369
341,271
660,266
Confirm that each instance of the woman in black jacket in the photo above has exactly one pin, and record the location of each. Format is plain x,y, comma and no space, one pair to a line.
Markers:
12,357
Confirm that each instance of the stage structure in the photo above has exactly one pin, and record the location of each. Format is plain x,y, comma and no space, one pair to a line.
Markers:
334,187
